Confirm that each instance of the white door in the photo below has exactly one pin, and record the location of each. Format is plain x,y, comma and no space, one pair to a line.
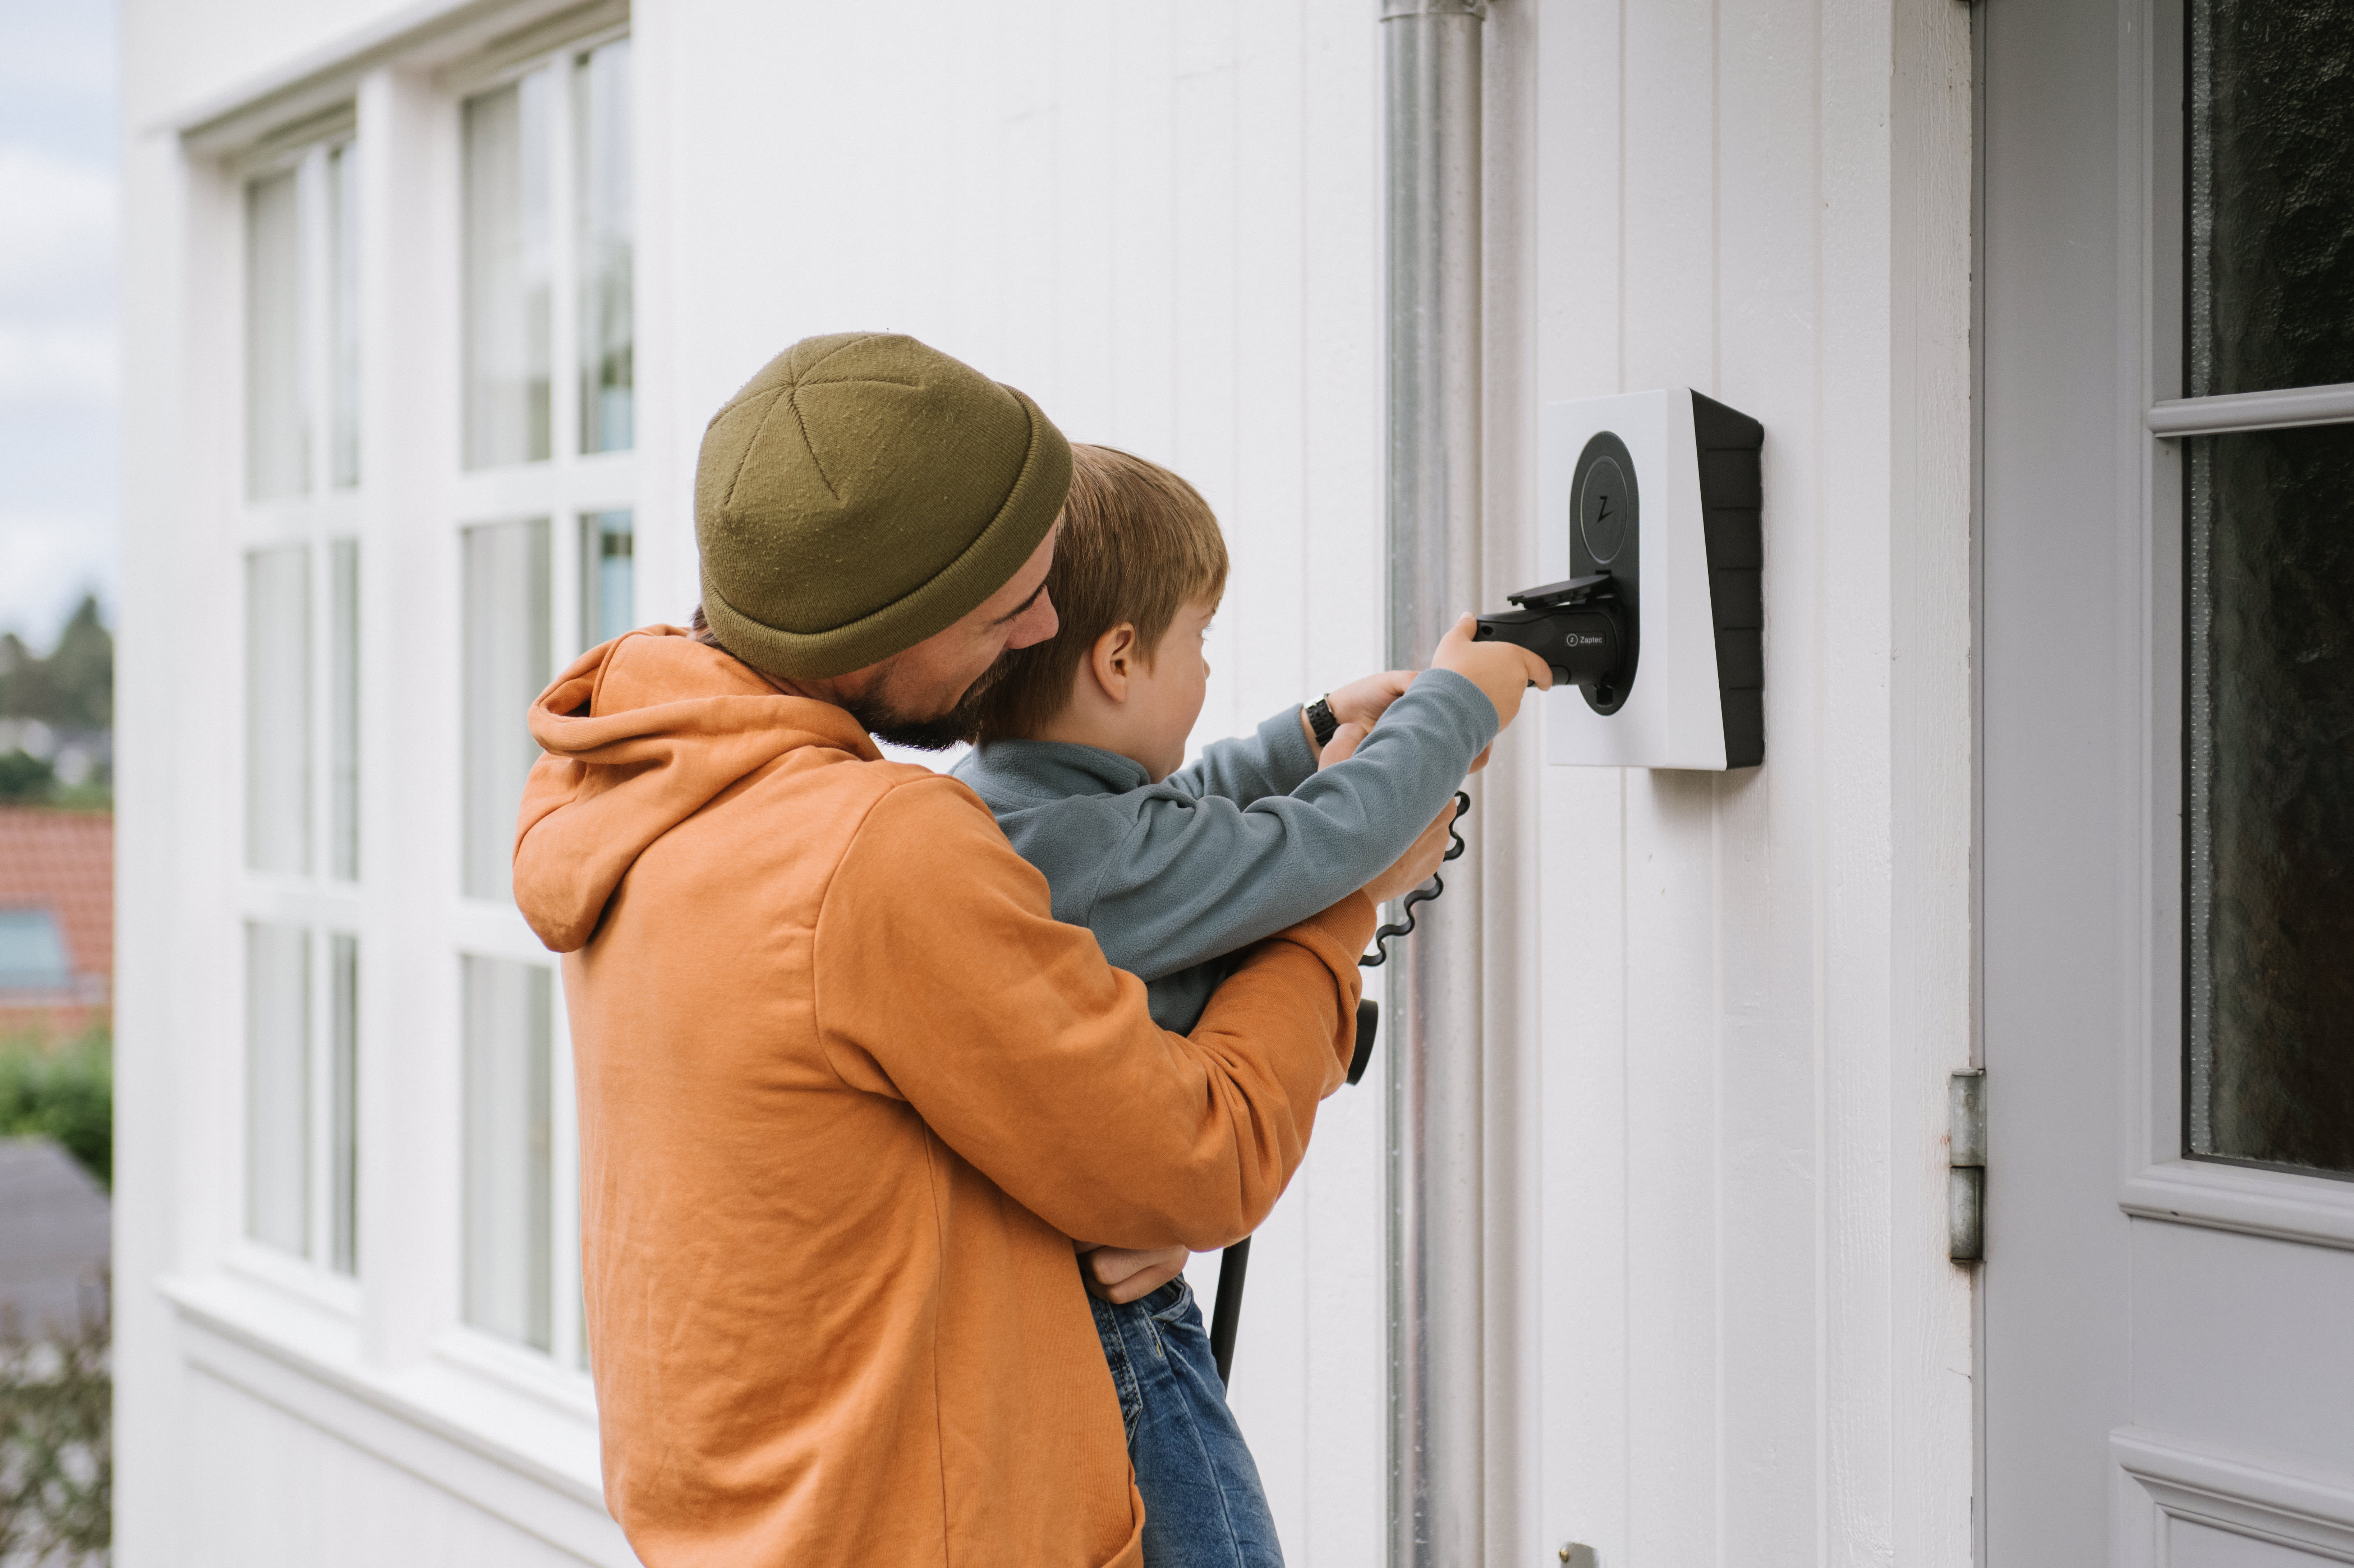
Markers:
2167,598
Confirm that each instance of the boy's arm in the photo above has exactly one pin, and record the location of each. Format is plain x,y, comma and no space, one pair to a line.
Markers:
942,980
1199,878
1282,754
1274,760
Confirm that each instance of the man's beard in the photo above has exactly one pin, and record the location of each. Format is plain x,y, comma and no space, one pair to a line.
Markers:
877,714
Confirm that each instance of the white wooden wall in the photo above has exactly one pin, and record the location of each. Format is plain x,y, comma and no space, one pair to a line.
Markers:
1720,1032
1721,1008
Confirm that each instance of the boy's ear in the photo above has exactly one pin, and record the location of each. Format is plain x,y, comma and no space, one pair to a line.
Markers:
1113,659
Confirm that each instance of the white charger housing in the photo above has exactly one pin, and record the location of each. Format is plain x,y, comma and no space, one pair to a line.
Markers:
1682,540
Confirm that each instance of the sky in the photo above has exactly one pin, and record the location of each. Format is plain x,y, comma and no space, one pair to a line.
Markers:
57,354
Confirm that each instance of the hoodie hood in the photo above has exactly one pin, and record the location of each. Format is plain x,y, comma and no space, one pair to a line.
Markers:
640,735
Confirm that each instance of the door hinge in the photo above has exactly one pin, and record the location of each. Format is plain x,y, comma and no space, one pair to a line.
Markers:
1966,1146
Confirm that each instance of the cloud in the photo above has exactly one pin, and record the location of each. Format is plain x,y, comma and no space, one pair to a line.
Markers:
48,561
56,229
44,364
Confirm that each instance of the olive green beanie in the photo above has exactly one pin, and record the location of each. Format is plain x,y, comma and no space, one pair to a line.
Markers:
862,492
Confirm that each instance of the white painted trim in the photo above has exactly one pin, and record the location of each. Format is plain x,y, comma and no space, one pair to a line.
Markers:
2254,1201
463,1427
2173,418
433,34
2159,1478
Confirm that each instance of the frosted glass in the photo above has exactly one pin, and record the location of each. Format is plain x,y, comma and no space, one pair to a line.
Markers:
507,278
344,314
278,710
506,665
2270,815
603,255
343,709
509,1217
2271,196
608,589
277,463
343,1103
278,1086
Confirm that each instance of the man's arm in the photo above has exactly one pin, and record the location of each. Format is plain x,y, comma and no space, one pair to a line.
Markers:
943,980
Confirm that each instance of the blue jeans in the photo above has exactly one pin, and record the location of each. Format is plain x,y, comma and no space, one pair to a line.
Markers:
1204,1507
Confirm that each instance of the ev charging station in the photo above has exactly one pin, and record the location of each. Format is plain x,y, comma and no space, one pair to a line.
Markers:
1649,528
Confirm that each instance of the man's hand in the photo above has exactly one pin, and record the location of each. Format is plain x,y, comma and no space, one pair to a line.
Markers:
1120,1274
1415,867
1501,671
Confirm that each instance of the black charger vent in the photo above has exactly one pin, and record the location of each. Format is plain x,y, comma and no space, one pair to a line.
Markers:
1733,499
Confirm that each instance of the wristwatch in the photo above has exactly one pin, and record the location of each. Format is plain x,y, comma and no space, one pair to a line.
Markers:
1321,721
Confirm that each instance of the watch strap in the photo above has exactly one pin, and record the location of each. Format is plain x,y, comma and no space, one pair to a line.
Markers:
1321,723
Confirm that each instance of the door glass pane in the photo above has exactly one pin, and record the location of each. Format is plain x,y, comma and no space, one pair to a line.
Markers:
600,118
278,1086
508,1215
275,461
278,710
343,709
343,1103
2271,247
2270,823
343,313
507,281
607,589
506,649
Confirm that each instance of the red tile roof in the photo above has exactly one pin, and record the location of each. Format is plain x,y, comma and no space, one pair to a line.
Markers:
63,861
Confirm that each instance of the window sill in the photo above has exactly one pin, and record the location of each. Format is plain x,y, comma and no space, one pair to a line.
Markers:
510,1446
2253,1201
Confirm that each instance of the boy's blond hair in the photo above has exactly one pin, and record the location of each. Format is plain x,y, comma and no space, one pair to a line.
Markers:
1137,545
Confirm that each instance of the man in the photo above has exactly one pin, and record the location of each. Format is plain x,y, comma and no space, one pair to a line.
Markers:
848,1094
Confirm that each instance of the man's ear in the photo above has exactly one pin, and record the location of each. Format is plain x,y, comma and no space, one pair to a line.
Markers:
1113,659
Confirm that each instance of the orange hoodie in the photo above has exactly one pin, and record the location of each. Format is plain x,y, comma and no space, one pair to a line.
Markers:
847,1093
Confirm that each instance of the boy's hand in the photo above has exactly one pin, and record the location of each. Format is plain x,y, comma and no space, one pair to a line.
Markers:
1501,671
1119,1273
1416,865
1364,702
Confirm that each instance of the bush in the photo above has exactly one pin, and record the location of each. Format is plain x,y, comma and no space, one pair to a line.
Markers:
57,1452
65,1093
25,779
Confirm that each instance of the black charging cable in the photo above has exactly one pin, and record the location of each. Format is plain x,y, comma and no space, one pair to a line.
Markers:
1383,937
1233,1264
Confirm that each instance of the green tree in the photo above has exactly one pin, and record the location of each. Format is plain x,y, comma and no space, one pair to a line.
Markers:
73,688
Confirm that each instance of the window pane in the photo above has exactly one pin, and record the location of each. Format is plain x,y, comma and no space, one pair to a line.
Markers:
2272,196
343,313
278,709
278,1086
508,1216
343,709
506,648
606,568
276,462
601,116
32,951
343,1103
2270,824
506,274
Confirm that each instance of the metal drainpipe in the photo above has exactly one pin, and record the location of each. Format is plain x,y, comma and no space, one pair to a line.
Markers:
1431,51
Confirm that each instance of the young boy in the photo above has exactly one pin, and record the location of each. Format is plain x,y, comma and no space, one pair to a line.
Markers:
1177,869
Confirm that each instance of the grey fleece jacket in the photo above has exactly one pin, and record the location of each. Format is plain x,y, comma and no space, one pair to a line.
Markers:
1175,877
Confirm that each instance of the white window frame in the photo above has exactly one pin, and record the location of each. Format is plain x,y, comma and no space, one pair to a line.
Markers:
321,516
563,488
385,1362
2158,1181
